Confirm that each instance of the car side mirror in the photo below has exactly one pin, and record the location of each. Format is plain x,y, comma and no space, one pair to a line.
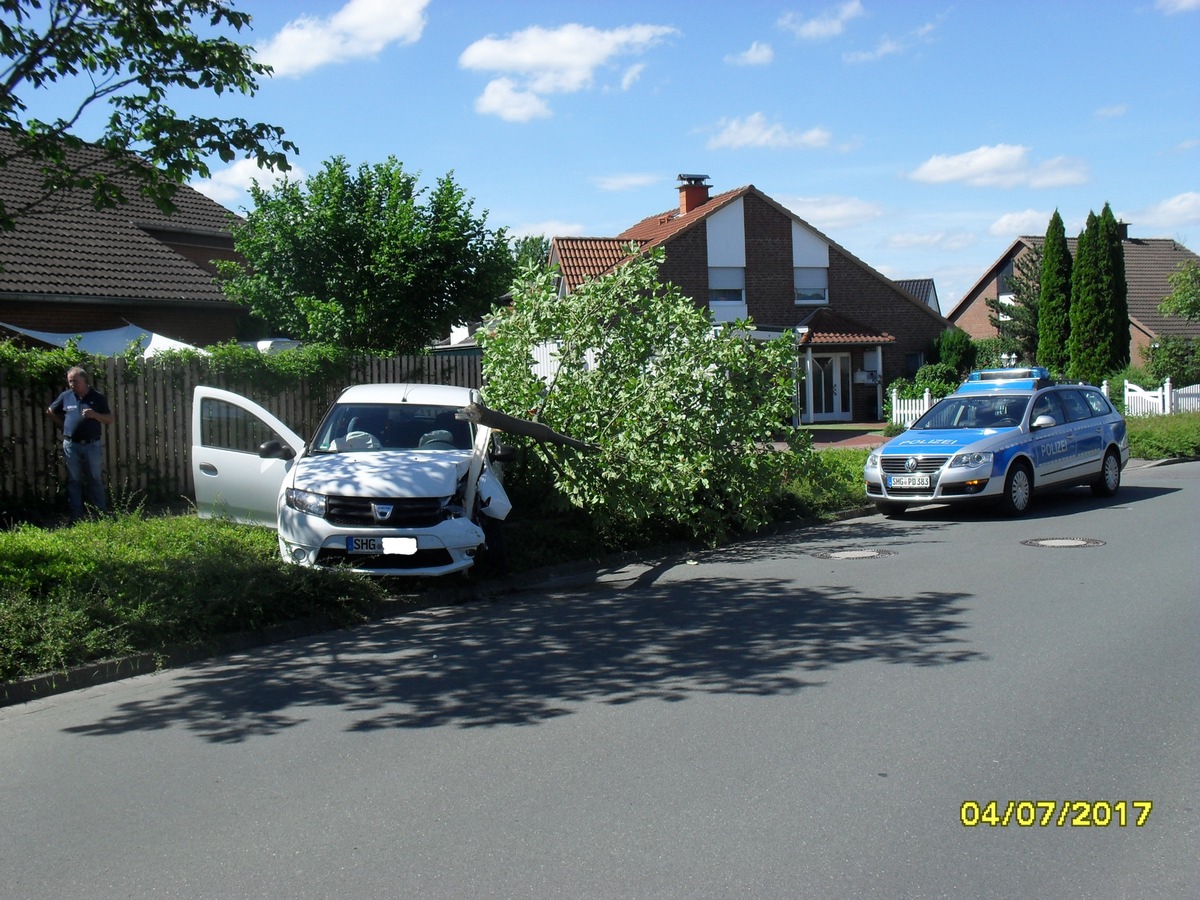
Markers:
503,453
275,450
1043,422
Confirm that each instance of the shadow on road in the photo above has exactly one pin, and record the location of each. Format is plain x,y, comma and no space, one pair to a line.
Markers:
671,632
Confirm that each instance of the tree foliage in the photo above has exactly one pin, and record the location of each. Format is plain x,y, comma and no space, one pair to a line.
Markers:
1184,299
1099,342
1016,319
1054,303
955,349
532,250
367,260
133,56
681,413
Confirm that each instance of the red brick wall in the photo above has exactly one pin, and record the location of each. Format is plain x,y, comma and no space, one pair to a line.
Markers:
770,276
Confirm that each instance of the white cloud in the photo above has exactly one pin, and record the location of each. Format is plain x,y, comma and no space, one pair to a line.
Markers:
626,181
755,131
503,98
1001,165
833,211
1029,221
1190,144
359,29
1112,112
1170,7
885,47
935,240
759,54
550,228
632,74
230,186
829,24
540,61
1182,209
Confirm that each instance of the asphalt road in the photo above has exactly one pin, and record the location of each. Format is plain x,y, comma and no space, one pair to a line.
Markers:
797,715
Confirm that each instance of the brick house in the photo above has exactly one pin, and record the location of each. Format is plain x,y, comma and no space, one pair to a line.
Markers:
741,254
68,267
1149,262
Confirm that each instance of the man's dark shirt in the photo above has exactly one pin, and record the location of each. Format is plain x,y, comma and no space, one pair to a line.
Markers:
71,407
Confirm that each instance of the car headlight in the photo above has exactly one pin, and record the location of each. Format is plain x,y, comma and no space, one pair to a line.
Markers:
971,460
306,501
873,460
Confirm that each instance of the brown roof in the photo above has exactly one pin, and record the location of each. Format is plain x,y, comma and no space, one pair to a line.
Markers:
657,229
1149,262
580,258
827,327
66,248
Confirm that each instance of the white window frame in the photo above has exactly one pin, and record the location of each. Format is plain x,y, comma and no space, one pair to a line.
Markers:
811,285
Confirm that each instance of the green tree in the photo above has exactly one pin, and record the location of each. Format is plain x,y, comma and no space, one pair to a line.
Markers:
954,348
1088,345
1054,303
531,250
366,260
1117,289
1016,319
680,412
1184,299
133,56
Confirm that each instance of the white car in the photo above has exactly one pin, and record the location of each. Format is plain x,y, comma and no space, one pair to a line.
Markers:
391,483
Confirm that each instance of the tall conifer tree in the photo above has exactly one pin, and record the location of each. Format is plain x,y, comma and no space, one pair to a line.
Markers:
1054,304
1118,318
1087,349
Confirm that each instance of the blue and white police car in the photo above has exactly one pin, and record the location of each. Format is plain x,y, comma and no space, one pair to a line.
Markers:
1004,434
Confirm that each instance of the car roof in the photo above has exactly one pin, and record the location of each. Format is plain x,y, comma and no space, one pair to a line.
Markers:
997,381
421,394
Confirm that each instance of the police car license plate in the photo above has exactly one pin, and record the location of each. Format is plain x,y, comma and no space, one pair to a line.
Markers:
402,546
908,481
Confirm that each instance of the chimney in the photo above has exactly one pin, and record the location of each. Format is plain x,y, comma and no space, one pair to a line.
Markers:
693,192
1123,231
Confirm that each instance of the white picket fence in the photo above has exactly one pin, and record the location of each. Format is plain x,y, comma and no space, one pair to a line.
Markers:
1161,402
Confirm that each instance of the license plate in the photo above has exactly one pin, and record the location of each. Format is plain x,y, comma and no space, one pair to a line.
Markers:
908,481
401,546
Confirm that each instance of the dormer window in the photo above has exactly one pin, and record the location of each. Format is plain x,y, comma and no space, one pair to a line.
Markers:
812,286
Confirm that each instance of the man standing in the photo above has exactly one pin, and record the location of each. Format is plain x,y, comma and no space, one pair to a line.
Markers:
80,411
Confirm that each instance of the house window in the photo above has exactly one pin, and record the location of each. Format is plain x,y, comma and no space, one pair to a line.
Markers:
912,362
812,286
726,284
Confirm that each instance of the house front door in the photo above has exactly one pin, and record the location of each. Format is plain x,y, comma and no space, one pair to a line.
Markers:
831,387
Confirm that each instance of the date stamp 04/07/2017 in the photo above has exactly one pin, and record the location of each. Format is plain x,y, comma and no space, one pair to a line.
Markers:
1056,813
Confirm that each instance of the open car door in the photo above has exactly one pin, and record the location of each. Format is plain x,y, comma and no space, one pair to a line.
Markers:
232,480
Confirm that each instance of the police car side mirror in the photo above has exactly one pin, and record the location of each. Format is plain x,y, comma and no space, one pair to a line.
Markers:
275,450
1043,422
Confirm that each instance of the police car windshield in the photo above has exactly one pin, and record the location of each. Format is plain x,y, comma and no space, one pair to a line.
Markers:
979,411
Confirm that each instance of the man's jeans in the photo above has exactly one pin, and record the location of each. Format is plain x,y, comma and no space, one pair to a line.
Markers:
83,461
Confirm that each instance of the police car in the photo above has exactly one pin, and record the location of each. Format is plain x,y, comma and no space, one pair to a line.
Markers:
1004,434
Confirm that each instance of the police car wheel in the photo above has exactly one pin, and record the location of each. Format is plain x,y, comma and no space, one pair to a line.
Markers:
1109,480
1018,489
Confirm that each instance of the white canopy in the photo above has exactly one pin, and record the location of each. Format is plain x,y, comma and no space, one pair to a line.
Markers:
111,342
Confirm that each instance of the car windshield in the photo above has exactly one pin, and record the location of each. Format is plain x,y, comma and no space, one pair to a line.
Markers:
979,411
391,426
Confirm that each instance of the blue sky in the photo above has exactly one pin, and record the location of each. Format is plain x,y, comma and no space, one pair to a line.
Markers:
921,136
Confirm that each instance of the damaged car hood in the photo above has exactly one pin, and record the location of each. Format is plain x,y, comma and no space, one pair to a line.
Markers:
382,473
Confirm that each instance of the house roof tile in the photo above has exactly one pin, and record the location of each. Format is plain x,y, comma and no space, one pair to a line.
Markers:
67,248
828,327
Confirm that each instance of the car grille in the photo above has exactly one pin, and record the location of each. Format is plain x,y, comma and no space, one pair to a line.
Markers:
407,512
895,465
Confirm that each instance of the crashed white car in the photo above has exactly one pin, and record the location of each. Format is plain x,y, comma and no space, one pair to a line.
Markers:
393,482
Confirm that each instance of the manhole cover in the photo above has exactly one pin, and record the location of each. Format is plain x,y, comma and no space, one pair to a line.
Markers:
1063,542
852,554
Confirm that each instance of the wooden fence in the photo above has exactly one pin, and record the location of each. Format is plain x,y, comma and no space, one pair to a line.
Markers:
1163,401
147,448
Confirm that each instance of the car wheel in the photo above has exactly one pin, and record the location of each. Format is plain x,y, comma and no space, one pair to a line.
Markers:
1018,490
891,510
1109,480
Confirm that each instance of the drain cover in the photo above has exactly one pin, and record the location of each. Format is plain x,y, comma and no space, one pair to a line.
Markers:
1063,542
852,554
